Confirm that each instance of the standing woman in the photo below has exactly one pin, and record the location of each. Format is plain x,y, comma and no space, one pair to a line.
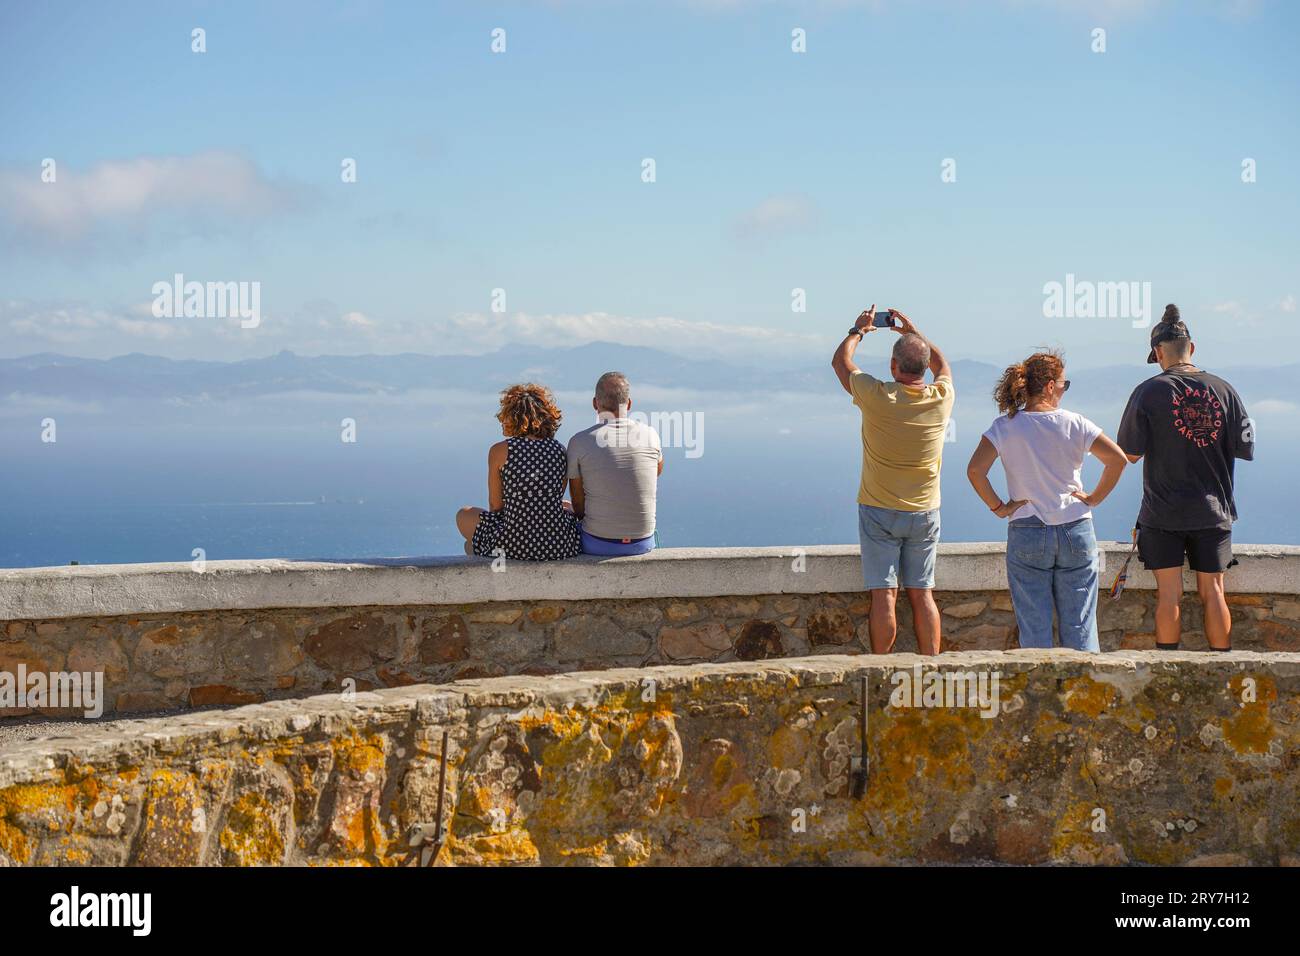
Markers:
1051,546
528,518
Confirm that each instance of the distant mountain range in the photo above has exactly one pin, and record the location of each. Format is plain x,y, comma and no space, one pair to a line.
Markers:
151,378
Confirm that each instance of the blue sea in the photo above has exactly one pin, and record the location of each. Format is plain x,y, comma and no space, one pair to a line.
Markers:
273,479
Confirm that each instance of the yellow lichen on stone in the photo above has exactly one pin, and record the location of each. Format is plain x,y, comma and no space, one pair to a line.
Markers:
1083,695
251,835
1250,730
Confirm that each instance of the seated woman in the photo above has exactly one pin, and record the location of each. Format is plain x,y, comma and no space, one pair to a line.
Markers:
528,518
1051,547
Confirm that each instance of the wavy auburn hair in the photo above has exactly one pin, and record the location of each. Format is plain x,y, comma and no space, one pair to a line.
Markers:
529,411
1024,380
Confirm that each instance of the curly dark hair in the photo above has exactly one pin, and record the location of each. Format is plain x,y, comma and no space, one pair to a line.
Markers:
529,411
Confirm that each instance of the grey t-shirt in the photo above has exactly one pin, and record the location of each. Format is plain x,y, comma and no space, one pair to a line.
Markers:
617,461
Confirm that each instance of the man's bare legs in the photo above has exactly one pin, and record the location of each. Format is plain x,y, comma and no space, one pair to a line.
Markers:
884,624
1218,620
884,620
925,620
1169,592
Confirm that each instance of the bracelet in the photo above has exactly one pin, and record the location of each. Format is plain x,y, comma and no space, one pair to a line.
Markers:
857,331
995,508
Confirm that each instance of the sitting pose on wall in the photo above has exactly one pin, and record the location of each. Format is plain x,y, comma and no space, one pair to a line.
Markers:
527,517
1052,561
614,469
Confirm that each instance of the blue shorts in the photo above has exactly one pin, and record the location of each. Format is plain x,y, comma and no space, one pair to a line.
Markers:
897,547
608,547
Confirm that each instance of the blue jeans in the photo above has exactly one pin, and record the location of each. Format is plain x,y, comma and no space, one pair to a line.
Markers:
897,547
1054,567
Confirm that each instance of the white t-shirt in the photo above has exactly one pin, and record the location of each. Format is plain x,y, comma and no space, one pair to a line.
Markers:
1042,454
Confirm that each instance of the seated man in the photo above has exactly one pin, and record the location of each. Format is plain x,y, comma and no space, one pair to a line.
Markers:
613,471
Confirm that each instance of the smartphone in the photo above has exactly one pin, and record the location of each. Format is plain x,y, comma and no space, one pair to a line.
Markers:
884,319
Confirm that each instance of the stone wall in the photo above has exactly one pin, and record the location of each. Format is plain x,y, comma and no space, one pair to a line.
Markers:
1132,757
167,636
165,661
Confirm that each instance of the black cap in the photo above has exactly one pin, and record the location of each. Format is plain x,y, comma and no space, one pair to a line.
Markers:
1170,327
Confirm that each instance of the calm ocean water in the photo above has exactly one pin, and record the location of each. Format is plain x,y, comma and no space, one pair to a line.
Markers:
782,474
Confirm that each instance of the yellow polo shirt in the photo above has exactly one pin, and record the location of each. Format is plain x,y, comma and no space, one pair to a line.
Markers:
903,428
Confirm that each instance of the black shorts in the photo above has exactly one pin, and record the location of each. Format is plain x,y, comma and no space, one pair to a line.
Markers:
1208,550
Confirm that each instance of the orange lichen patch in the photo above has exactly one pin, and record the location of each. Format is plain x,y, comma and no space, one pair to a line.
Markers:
493,849
251,835
1083,695
44,800
1250,730
1222,786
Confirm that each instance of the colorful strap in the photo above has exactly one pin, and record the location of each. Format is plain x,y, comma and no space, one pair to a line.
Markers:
1121,578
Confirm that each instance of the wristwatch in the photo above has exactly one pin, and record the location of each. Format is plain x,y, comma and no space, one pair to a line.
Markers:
857,331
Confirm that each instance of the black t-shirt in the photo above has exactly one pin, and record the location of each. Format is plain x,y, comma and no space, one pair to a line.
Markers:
1188,426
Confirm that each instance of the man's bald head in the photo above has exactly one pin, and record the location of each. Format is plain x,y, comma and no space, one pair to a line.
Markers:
911,354
612,393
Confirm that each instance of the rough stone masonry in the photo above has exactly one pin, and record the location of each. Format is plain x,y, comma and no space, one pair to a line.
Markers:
1131,757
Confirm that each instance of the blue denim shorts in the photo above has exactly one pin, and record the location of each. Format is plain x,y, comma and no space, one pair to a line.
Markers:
897,547
610,548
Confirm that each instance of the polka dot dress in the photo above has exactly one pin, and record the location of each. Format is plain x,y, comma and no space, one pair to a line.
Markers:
532,524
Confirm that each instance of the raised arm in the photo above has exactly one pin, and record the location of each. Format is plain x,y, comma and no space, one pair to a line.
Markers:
842,360
977,472
938,364
1113,460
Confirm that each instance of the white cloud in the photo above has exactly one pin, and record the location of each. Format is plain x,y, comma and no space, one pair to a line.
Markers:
776,216
197,193
483,333
1288,303
321,327
1274,406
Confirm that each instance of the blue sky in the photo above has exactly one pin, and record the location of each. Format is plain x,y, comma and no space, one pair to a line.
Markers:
521,170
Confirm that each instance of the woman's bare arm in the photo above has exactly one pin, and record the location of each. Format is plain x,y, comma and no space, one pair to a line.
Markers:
977,472
1113,461
497,455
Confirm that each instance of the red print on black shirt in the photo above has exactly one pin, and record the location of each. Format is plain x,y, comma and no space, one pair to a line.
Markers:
1198,416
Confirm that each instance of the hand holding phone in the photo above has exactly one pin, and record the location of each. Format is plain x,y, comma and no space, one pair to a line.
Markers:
884,319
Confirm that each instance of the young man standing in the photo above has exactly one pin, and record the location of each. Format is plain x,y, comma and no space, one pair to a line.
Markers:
904,421
1187,427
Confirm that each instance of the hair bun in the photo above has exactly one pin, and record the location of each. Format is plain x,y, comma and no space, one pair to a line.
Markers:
1171,313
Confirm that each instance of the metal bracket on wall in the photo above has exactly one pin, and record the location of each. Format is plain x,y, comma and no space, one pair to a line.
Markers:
859,764
425,840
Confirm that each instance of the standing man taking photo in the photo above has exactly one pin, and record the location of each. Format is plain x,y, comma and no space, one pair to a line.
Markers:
1187,427
904,420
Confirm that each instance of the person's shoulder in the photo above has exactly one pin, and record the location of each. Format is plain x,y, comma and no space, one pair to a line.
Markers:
584,435
1082,423
1157,384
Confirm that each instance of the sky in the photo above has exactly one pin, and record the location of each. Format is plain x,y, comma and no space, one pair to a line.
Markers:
947,158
